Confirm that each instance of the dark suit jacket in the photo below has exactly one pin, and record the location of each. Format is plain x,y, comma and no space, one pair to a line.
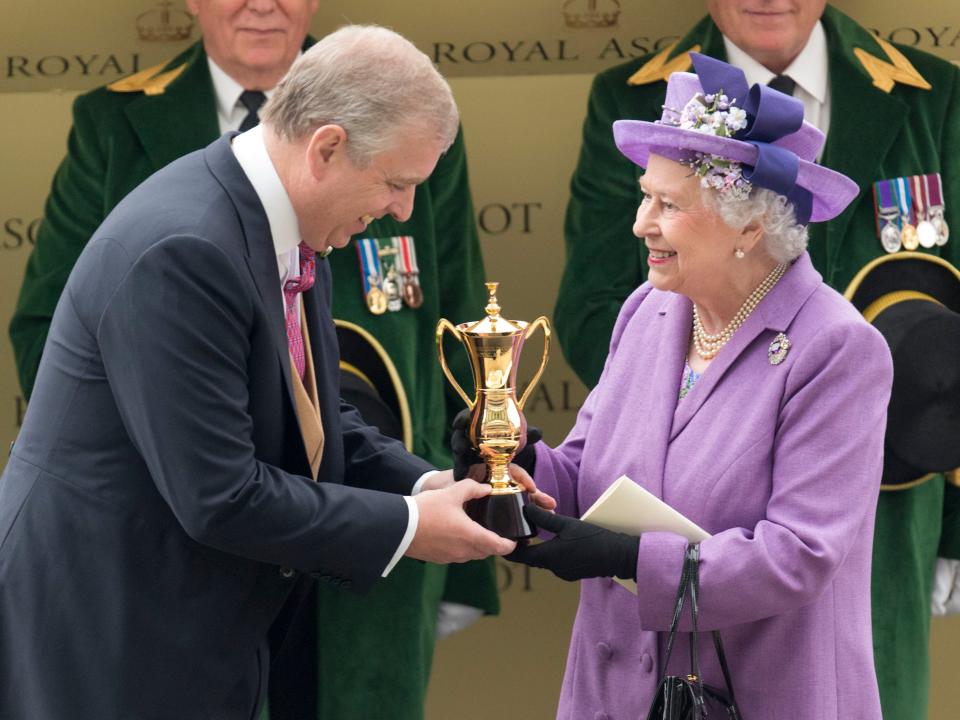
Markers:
155,513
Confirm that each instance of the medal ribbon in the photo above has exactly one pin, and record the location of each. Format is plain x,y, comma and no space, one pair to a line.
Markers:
920,202
935,190
903,199
408,253
885,203
370,270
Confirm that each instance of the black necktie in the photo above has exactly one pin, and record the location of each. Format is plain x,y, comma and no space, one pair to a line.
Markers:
783,83
251,100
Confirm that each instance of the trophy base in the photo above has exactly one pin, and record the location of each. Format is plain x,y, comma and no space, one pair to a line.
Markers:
502,513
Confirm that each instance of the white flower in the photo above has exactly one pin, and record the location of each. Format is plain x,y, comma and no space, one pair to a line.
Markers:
736,119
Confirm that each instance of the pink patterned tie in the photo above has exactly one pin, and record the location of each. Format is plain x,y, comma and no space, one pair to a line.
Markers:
291,291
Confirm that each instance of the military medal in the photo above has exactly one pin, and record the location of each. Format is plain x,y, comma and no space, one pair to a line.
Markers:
391,288
908,233
935,203
407,260
888,226
372,276
926,232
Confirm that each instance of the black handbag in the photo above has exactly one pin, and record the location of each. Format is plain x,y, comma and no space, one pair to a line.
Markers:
689,698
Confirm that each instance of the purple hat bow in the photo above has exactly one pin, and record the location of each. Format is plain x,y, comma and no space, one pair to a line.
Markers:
771,115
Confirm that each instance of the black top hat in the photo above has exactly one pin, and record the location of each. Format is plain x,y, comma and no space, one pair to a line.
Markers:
370,382
913,299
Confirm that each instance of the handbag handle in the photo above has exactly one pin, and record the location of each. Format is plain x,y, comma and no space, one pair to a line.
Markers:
690,582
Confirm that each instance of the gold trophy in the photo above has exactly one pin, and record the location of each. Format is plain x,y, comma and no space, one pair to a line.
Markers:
497,428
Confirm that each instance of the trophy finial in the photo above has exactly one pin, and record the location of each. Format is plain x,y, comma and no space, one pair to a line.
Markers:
492,308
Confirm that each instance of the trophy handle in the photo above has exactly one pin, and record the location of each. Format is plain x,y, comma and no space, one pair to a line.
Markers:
544,325
442,326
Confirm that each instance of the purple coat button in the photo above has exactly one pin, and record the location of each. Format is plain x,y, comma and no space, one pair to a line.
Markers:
647,662
604,652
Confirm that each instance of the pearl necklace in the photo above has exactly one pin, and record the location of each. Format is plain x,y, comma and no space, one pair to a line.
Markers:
706,345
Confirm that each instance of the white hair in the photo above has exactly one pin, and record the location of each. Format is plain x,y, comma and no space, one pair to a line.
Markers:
370,81
785,239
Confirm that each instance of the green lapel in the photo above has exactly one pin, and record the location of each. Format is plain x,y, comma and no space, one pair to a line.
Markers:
864,121
183,118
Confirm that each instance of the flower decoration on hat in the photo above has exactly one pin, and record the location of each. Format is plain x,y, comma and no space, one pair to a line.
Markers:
759,115
716,114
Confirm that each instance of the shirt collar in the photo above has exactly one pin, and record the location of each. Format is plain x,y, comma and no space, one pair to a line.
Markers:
808,70
251,153
225,87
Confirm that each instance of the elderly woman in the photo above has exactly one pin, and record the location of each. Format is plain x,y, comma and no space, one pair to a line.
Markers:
748,395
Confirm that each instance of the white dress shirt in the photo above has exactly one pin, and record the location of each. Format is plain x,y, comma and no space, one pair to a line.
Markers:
251,153
808,70
230,111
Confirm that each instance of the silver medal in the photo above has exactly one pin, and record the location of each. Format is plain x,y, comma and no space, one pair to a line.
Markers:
943,230
927,234
890,237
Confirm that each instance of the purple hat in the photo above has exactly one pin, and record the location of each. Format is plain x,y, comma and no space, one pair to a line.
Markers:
714,117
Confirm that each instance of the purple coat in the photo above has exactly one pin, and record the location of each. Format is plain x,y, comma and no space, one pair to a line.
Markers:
780,463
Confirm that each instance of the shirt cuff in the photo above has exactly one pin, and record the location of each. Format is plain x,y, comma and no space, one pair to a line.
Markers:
407,538
418,485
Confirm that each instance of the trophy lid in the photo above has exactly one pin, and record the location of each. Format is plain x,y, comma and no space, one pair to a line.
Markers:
493,324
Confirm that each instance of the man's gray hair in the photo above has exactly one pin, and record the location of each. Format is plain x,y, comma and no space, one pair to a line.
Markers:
784,238
370,81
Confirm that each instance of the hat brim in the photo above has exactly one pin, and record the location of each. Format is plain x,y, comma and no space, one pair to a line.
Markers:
913,299
904,270
638,139
364,357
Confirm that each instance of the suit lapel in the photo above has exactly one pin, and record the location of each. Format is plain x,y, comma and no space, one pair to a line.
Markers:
775,313
855,149
190,95
326,356
260,256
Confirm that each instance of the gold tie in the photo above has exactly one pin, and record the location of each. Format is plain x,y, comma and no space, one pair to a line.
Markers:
308,405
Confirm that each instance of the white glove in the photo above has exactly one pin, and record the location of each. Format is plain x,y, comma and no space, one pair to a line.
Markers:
945,599
454,617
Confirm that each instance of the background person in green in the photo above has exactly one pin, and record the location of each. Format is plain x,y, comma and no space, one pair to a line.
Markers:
123,133
909,126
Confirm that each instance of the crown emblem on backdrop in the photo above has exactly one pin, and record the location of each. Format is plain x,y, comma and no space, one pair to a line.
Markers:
591,13
163,24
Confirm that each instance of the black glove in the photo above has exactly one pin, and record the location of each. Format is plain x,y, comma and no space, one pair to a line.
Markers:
464,454
579,550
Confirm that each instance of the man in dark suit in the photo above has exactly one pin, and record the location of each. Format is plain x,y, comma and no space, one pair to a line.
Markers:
124,132
185,466
887,111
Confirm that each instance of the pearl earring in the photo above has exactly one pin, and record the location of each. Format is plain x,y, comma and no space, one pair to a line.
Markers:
739,254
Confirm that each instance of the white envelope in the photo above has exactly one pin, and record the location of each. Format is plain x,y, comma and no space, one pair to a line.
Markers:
628,508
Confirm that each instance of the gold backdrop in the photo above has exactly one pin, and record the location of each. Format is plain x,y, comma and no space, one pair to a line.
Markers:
521,72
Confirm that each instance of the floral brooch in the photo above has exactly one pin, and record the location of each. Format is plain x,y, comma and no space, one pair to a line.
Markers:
778,349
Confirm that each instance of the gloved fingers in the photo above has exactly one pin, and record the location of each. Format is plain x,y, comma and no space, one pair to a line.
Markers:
544,519
462,420
527,553
478,472
534,434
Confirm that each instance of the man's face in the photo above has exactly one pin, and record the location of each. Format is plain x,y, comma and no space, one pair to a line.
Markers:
773,32
341,199
253,38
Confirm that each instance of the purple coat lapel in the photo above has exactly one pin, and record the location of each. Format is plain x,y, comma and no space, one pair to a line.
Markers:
775,313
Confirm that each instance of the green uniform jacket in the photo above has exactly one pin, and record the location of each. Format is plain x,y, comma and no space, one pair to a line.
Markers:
873,135
376,650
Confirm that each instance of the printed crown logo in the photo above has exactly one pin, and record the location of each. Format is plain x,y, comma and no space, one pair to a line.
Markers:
591,13
163,24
